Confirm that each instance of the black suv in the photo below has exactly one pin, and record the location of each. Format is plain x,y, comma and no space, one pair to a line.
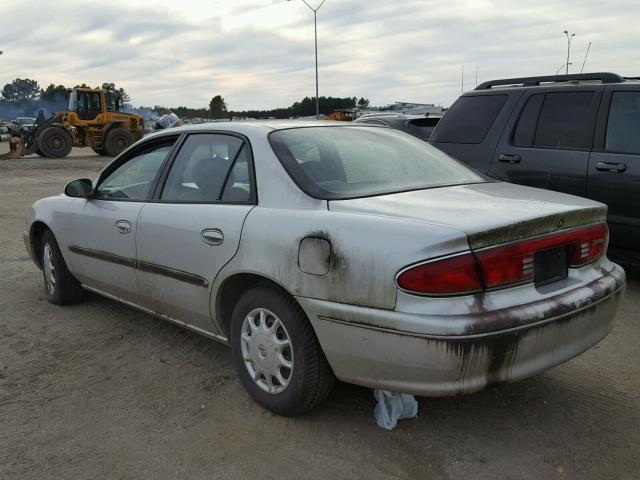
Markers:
578,134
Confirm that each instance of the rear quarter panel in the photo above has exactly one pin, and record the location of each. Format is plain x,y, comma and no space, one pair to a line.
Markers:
366,253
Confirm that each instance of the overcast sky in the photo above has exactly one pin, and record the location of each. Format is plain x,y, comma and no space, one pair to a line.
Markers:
259,53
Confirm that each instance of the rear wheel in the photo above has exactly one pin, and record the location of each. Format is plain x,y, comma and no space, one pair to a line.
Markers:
60,286
54,142
117,140
277,354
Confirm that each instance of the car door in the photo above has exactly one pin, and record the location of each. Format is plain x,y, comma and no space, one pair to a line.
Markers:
547,142
193,228
614,166
102,231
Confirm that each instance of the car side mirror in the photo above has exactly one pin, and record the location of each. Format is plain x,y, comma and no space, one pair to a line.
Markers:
81,188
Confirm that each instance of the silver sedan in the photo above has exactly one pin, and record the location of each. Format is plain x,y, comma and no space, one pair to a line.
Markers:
335,250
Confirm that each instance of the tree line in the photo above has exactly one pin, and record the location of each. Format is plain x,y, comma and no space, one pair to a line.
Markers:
25,97
218,109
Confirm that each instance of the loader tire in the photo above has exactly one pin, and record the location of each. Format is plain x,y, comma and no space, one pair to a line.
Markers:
55,142
117,140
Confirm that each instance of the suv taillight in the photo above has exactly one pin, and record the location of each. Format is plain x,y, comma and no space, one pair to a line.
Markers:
502,266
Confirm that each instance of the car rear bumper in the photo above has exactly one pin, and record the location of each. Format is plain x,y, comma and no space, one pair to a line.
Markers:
364,349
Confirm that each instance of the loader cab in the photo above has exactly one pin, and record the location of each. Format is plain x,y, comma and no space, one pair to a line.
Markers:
86,103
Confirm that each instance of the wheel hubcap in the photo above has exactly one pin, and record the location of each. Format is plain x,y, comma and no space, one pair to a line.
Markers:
49,269
266,350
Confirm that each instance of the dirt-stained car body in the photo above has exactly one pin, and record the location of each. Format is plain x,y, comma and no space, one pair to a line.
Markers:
339,250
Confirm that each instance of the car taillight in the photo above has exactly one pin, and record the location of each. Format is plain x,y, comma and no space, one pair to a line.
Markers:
591,245
452,275
502,266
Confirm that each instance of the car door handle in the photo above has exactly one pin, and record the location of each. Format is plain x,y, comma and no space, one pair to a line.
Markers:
212,236
611,167
123,226
509,158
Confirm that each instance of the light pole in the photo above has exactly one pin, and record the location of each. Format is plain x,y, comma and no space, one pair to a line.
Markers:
315,33
569,38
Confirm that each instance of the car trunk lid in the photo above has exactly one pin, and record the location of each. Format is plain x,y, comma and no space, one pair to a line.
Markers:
490,213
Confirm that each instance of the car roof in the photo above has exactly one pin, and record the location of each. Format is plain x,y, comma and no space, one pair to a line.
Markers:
250,126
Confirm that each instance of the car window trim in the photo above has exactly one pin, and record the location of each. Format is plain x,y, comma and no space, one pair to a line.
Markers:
521,108
253,193
129,155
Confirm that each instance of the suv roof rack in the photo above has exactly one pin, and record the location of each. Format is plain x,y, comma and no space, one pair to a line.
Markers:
604,77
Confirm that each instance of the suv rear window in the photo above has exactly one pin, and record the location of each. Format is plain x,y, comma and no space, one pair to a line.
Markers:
469,119
348,161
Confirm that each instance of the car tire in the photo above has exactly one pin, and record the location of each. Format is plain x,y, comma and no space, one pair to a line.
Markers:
309,379
117,140
55,142
60,286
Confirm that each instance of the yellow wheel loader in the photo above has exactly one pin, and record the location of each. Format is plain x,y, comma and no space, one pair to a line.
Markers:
93,119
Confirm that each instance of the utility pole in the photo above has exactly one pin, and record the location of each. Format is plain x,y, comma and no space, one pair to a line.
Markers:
476,75
569,38
315,34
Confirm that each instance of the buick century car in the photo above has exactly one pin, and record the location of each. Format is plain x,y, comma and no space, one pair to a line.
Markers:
335,250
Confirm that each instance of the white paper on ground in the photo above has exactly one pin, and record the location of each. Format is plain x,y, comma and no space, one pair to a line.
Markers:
392,407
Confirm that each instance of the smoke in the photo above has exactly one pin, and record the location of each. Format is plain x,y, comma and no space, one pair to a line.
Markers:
12,110
147,113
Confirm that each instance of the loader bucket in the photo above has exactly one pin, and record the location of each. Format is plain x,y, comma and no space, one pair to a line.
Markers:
16,148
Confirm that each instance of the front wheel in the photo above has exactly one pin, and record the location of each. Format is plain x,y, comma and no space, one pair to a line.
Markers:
54,142
60,286
277,354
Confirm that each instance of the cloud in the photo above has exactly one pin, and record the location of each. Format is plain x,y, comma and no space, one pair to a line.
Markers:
259,53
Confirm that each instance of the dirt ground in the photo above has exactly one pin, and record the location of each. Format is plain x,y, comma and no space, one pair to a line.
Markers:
100,390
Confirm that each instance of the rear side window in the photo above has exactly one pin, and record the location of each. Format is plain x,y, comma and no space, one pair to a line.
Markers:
469,119
566,121
623,126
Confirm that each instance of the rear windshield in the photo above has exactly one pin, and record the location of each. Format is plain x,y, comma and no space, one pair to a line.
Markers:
348,162
469,119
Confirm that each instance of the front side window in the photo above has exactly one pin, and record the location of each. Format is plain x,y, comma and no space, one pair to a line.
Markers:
623,126
347,162
134,179
469,119
525,131
210,168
